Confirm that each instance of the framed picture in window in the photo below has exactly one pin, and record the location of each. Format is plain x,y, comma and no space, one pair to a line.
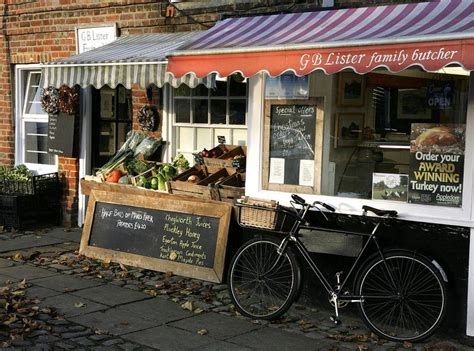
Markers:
349,129
412,104
351,89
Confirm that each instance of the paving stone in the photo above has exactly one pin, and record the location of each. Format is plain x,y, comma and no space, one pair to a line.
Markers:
73,235
66,283
222,345
114,321
69,305
25,242
98,337
26,272
273,340
5,278
5,263
64,345
84,341
217,326
47,338
168,338
40,292
157,310
74,335
112,342
60,267
129,346
111,295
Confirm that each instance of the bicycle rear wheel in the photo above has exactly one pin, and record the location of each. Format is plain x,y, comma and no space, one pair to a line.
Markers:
262,284
403,298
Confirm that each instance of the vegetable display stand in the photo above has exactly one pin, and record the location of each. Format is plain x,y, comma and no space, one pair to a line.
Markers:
29,201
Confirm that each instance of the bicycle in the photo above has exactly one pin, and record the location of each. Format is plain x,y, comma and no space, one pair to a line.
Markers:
401,295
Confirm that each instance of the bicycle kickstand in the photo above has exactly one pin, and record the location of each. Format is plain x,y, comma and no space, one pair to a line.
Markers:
335,319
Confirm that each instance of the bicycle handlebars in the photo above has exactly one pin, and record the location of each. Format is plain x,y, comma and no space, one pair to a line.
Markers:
300,201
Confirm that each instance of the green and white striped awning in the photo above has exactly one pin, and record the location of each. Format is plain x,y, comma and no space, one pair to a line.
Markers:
137,59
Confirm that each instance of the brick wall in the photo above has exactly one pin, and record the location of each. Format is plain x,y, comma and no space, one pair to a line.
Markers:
40,31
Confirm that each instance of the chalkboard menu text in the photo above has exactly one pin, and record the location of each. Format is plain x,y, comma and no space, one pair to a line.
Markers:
164,233
61,134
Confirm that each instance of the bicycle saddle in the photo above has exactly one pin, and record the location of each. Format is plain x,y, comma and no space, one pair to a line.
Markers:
381,213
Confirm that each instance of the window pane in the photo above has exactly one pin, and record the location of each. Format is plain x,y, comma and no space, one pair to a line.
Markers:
200,111
124,103
201,91
36,143
182,110
123,129
182,90
203,140
32,96
220,89
238,86
237,111
218,111
186,137
107,139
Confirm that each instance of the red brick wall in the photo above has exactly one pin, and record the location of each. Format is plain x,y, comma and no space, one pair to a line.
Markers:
40,31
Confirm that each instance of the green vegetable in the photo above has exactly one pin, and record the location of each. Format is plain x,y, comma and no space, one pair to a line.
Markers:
154,183
180,162
161,182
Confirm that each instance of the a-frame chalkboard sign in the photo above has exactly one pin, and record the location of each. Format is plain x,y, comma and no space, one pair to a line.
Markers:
167,233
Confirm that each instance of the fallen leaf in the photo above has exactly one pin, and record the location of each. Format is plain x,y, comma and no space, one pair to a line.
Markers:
79,305
198,310
18,257
202,331
151,292
122,266
362,347
107,260
22,284
407,345
188,305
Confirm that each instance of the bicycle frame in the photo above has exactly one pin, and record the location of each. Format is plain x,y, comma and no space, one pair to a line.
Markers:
337,292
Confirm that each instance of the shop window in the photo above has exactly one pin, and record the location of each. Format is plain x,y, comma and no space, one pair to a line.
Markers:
389,137
113,111
32,122
201,115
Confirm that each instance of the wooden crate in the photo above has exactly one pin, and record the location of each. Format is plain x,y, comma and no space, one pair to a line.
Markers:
180,186
225,159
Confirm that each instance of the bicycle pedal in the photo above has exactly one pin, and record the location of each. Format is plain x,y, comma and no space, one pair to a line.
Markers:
335,320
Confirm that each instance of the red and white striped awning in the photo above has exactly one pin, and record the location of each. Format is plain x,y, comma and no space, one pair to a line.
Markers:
430,35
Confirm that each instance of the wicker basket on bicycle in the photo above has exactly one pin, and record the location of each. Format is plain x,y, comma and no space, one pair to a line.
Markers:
260,214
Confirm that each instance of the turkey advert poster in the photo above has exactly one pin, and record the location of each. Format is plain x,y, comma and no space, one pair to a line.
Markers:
436,164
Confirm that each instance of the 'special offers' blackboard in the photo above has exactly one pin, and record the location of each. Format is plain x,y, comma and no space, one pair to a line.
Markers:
165,233
292,136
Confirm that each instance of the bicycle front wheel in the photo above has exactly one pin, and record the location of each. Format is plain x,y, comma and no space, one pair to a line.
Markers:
403,296
263,284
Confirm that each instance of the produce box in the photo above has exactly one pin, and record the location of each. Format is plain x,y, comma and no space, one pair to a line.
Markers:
186,183
21,210
225,155
37,184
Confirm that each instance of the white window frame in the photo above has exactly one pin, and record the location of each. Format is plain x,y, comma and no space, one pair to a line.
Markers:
22,80
212,127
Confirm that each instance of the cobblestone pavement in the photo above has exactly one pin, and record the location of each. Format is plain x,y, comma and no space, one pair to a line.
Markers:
60,300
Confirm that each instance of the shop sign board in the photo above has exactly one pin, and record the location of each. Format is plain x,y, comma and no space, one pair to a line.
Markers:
90,38
292,138
436,164
169,234
440,96
61,134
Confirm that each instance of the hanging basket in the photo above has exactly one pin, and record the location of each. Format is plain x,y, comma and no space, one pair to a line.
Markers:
148,118
50,100
68,99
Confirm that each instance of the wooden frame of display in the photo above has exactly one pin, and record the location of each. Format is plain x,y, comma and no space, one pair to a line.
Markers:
318,147
164,202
